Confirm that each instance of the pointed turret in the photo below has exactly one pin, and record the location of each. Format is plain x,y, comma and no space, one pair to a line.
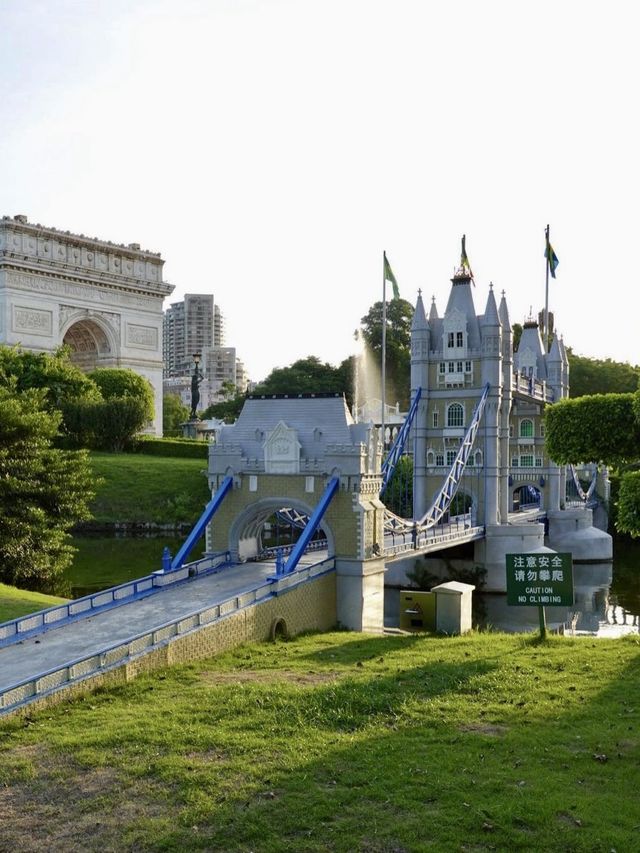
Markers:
554,368
490,317
419,321
461,311
529,360
433,311
420,344
565,367
503,313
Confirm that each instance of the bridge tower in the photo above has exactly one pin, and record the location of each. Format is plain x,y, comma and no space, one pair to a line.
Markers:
283,452
508,465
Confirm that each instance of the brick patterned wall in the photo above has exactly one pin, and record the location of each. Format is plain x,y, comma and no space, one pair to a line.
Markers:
308,607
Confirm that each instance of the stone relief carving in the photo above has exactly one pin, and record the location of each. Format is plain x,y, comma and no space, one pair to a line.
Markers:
282,451
144,337
77,291
32,321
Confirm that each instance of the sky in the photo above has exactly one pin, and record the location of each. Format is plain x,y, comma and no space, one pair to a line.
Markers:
271,150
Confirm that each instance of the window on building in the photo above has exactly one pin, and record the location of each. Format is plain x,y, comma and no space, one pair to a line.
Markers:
451,366
526,460
542,430
510,430
459,367
450,340
442,367
467,367
435,420
439,459
459,339
477,458
455,415
451,456
430,458
526,428
515,462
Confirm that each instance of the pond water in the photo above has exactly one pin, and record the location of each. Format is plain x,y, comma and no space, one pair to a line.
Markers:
607,595
607,601
104,561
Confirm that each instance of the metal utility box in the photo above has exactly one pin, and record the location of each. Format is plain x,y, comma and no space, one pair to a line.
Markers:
453,607
417,610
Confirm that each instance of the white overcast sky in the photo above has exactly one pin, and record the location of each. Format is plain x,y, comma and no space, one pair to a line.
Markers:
271,149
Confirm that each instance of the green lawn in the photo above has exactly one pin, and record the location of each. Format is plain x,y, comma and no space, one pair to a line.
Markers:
163,490
18,602
343,742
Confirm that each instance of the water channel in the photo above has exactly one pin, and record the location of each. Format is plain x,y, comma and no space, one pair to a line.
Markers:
607,595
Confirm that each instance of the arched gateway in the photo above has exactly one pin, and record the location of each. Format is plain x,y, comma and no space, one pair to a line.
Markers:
101,299
285,453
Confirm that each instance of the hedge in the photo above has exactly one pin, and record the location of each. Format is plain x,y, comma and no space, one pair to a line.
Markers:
185,448
598,428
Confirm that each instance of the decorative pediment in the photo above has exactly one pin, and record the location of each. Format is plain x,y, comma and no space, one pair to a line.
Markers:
282,451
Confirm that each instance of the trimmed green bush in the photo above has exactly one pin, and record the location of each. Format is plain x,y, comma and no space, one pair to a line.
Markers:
628,509
117,382
600,428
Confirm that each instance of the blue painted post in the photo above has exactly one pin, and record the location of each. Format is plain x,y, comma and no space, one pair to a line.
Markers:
166,559
279,562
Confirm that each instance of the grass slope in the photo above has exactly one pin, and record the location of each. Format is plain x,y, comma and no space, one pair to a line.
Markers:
139,488
18,602
342,742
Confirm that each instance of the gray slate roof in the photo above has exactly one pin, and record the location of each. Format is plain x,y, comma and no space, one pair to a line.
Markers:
319,421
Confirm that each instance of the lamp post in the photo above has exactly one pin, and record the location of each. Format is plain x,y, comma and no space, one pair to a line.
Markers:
196,379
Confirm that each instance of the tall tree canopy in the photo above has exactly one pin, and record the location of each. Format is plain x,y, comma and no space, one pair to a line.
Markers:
601,428
600,376
398,344
308,376
43,492
61,380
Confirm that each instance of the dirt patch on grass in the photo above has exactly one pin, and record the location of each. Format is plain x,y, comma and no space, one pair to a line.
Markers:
69,808
492,729
267,676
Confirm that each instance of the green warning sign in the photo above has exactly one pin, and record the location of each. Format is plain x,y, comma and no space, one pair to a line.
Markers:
540,579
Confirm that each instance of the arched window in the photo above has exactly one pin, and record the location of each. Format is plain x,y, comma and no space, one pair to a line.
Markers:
455,415
477,458
526,428
430,458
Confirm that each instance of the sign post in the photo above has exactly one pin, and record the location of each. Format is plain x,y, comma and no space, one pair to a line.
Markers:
542,580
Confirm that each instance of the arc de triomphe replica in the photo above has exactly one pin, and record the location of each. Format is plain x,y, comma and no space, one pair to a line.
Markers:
101,299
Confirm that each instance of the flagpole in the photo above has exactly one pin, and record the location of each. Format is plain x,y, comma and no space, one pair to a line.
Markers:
546,293
384,345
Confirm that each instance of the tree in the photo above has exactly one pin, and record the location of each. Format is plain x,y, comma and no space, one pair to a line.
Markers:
104,424
600,376
121,382
227,410
603,428
43,492
55,373
398,345
306,376
174,413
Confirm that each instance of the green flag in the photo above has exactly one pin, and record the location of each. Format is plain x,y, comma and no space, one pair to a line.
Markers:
389,276
552,258
464,260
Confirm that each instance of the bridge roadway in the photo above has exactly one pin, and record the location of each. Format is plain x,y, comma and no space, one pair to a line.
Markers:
33,655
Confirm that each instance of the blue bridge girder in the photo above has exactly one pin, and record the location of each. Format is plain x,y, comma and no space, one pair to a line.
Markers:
200,525
397,448
314,522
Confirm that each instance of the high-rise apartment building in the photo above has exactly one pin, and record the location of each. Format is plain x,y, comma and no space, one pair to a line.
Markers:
190,326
